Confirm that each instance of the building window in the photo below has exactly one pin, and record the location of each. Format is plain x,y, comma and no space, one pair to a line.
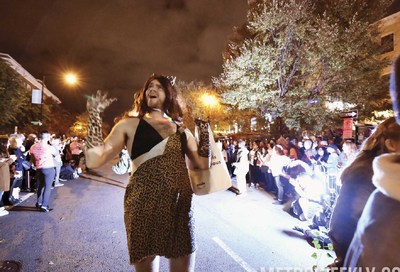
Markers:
387,43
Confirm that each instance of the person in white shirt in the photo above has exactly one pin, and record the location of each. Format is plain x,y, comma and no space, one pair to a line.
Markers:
241,167
277,163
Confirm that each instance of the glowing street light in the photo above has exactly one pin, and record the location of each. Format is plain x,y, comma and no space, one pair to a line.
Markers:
71,78
209,101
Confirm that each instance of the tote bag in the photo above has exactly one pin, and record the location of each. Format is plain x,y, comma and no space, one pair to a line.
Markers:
214,179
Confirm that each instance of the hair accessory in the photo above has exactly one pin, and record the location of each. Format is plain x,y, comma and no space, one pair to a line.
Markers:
279,146
171,79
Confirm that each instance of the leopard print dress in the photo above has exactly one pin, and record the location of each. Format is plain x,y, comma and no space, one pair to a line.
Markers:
158,213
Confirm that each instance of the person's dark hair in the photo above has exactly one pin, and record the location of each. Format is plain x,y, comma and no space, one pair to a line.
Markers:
295,171
171,105
323,157
3,146
395,88
42,133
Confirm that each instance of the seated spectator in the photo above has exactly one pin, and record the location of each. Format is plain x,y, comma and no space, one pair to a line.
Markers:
305,186
68,172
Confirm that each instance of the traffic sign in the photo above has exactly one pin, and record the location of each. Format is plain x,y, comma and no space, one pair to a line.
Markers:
350,114
36,123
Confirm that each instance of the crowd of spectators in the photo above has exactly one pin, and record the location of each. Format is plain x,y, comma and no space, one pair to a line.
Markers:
18,172
303,175
326,184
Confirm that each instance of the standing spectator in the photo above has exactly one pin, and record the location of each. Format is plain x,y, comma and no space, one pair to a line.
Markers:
348,154
267,181
376,240
293,149
224,148
57,145
5,163
320,160
75,148
332,165
232,156
308,152
30,173
16,148
42,156
357,186
277,165
255,162
241,167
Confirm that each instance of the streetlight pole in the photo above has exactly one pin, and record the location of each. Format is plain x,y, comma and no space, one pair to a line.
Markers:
41,102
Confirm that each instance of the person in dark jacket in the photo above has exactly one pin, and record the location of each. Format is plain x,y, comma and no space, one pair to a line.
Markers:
357,186
376,240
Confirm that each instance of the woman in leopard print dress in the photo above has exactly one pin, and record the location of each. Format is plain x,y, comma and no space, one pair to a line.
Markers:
158,214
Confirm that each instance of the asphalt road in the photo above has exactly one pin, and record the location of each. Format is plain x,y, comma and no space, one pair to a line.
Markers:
85,231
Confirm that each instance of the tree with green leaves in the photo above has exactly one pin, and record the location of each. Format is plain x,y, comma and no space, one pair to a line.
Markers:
15,100
293,59
222,116
57,119
17,109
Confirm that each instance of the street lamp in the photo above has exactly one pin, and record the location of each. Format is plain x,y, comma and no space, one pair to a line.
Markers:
69,78
209,102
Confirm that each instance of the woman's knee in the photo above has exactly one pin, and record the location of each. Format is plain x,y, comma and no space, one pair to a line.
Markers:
148,264
183,264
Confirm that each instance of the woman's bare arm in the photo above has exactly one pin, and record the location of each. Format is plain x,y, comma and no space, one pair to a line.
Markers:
113,144
196,161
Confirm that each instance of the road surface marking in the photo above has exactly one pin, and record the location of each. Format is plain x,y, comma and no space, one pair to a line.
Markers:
236,257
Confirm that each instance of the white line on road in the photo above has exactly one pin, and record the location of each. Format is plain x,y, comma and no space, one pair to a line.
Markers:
236,257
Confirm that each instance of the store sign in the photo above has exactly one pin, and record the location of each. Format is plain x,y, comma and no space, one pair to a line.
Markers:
347,128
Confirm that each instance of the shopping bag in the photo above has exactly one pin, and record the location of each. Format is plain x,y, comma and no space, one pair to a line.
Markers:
214,179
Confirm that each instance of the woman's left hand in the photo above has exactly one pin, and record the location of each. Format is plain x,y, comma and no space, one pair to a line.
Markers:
99,102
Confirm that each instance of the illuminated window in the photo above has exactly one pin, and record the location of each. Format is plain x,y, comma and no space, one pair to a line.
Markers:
387,43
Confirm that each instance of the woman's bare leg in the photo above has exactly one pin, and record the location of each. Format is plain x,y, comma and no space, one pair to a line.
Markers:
149,264
182,264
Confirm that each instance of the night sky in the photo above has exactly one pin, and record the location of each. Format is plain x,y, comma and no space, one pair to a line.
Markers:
115,45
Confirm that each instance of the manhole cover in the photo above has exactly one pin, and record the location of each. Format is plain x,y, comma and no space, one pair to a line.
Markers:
10,266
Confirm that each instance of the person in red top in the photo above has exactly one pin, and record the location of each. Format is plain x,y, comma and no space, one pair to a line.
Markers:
75,148
42,155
